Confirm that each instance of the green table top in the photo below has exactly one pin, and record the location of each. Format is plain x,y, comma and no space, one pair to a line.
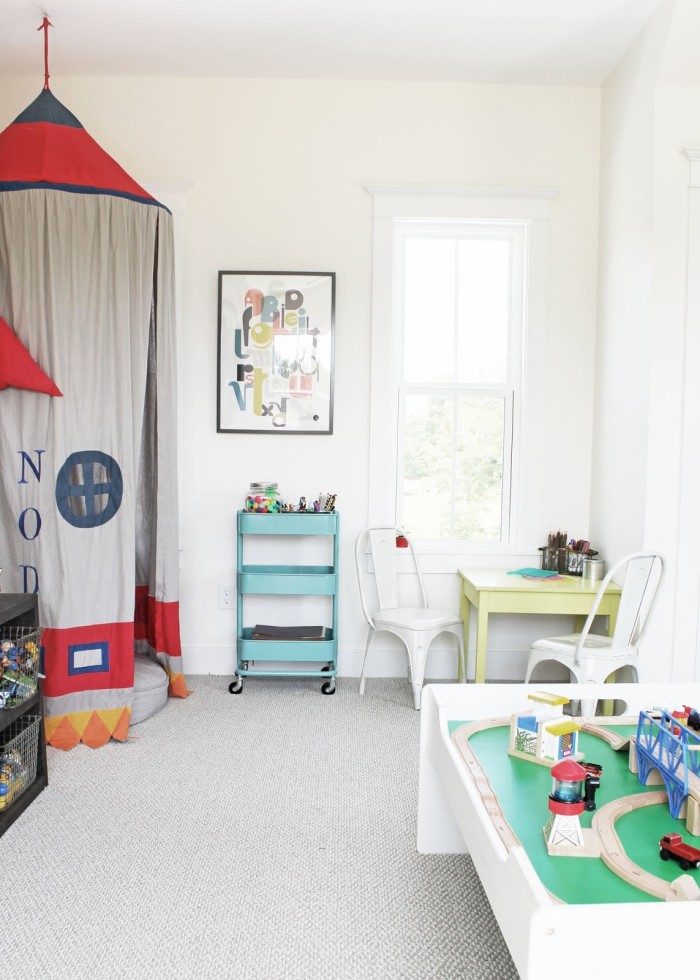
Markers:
522,789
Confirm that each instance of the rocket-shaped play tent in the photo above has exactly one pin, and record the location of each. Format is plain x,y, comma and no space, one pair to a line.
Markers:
88,473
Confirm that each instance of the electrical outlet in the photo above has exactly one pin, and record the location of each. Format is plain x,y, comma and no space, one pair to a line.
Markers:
225,597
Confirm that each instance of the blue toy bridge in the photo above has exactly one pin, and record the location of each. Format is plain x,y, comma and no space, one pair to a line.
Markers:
665,744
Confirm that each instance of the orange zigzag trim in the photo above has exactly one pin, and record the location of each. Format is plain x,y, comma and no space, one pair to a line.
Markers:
177,686
92,728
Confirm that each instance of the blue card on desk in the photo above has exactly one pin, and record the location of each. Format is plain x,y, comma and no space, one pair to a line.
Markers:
534,573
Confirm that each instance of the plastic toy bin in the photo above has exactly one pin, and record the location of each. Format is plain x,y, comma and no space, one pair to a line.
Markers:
18,758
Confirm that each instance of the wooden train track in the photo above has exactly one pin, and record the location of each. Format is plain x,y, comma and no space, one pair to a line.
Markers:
612,852
461,737
616,741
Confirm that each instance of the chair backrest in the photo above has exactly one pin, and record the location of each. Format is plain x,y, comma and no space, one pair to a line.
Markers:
385,556
643,573
642,579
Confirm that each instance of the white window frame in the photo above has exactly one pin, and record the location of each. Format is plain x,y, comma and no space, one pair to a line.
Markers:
394,208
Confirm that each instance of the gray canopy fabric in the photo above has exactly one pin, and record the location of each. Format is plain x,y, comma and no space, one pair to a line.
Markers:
88,480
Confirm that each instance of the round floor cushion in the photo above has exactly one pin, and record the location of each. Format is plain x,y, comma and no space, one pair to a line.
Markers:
150,688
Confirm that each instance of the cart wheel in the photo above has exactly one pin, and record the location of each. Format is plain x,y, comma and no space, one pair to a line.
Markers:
328,687
235,687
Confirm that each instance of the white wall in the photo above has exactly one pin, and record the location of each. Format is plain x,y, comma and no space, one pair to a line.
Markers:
640,471
278,171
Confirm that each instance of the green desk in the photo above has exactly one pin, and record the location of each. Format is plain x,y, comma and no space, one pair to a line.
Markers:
491,590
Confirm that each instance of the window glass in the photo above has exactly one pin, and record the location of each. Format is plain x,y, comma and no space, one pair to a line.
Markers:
482,310
429,281
453,452
479,458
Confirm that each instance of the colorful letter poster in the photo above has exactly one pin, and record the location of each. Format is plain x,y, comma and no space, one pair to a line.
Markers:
275,358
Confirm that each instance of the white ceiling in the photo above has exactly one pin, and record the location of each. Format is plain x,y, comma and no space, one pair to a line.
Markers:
538,42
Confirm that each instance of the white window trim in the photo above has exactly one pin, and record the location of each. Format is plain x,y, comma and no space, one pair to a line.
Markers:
531,206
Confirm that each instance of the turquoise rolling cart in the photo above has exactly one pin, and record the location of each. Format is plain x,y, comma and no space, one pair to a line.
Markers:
320,580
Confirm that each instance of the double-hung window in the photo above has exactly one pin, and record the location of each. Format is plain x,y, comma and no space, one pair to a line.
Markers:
458,285
461,318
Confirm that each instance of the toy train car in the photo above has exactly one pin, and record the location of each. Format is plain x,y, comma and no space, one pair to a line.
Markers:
693,720
673,845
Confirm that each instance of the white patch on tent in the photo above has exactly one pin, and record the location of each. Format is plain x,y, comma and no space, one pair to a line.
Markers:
84,657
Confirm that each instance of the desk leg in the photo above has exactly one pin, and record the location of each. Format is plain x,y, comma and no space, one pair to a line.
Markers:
482,630
464,610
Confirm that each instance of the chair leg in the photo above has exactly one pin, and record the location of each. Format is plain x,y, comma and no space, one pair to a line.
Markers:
531,664
370,634
417,674
461,653
417,692
588,706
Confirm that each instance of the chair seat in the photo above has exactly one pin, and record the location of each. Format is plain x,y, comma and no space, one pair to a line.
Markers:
416,618
596,647
562,644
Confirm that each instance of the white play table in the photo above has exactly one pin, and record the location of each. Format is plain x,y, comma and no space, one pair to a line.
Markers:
548,940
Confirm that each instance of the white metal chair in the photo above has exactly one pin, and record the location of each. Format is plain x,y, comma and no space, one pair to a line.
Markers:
416,626
592,658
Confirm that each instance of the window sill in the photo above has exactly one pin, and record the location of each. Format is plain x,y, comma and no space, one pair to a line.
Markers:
436,560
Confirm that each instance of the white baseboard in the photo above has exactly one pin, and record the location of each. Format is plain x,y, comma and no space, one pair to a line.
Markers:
441,664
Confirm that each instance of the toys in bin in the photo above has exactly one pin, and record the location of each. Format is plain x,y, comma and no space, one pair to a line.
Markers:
18,667
13,774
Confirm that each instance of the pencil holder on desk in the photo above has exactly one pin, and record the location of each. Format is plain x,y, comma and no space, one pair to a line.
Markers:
554,559
574,562
566,561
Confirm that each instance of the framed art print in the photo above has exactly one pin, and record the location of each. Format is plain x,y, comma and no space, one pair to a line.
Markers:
275,352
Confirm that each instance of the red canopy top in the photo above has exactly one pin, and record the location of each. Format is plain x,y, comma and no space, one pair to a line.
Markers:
46,146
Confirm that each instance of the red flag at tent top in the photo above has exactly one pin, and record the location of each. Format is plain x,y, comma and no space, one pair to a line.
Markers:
47,147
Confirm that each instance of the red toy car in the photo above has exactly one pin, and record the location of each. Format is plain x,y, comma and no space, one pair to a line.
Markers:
672,846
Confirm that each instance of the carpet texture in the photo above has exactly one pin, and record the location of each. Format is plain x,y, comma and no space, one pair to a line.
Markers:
268,835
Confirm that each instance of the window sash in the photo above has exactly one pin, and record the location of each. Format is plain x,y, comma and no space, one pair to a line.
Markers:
515,234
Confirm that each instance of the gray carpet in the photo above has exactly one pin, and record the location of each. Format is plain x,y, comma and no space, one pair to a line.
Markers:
264,836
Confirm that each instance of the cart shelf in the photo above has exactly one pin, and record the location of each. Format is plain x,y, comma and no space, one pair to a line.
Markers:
287,523
288,580
295,650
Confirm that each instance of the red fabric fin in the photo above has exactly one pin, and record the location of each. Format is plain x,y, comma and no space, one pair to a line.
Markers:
18,369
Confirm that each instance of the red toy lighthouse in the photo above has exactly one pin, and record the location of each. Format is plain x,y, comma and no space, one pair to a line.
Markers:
563,832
